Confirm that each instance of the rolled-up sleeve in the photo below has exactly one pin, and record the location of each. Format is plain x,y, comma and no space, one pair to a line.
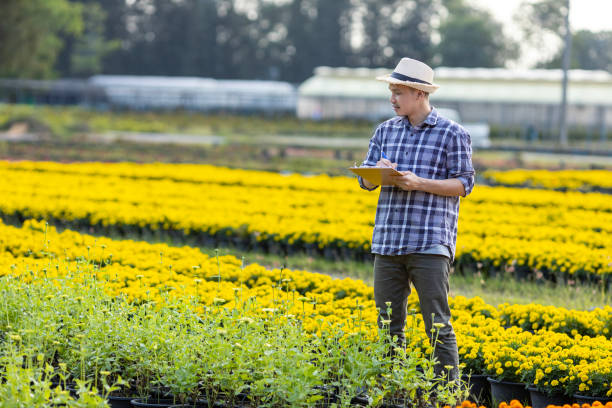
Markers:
372,156
459,159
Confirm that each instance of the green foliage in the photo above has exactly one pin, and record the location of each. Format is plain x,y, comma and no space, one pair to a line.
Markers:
220,354
220,39
590,50
31,33
282,40
393,29
26,383
83,52
472,38
542,22
541,16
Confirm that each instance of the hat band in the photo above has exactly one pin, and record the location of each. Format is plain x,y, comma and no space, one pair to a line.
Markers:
407,78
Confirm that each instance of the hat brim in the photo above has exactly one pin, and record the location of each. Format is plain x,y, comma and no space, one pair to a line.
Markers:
417,85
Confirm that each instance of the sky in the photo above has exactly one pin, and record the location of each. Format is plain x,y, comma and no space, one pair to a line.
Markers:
594,15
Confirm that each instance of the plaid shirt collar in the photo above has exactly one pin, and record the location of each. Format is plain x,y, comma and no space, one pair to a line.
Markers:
430,120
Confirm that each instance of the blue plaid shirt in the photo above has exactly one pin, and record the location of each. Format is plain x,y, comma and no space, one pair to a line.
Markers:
416,221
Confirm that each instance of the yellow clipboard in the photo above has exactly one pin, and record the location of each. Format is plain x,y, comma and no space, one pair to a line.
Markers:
380,176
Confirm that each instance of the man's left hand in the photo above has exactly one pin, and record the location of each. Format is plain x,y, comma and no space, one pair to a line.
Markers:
408,181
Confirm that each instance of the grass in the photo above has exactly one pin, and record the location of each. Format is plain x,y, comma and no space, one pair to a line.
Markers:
494,291
68,122
251,157
352,269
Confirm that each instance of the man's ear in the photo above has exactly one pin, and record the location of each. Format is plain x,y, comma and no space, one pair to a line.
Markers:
423,95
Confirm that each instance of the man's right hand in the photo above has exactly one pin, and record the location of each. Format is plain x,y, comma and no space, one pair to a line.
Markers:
386,163
381,163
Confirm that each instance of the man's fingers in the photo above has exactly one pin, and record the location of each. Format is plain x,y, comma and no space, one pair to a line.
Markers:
387,162
384,163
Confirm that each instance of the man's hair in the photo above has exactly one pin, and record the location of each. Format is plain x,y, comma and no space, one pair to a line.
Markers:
426,94
412,89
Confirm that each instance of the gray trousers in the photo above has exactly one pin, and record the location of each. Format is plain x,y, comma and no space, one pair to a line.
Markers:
429,275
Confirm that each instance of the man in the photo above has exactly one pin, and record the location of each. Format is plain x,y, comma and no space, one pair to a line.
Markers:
415,229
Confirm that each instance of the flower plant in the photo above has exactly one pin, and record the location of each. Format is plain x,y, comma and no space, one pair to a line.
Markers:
558,235
218,354
155,320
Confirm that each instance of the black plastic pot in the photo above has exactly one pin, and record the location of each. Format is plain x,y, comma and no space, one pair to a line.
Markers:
479,388
586,399
221,399
540,399
504,391
153,402
119,402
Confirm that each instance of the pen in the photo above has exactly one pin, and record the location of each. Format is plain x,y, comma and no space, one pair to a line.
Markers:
384,156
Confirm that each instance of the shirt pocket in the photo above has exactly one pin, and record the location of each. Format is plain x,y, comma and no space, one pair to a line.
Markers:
437,165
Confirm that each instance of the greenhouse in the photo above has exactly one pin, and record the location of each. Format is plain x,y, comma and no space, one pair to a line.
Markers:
497,96
157,92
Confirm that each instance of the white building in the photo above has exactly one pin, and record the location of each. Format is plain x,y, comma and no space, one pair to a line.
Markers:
496,96
161,92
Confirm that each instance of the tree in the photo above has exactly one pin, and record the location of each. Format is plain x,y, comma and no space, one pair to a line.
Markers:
83,53
472,38
540,16
411,30
122,24
330,32
543,25
317,35
30,35
590,50
393,29
206,38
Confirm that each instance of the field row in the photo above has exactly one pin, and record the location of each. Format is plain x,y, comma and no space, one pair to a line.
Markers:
187,271
552,234
564,180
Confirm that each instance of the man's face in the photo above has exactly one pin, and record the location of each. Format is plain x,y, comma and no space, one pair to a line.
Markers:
403,99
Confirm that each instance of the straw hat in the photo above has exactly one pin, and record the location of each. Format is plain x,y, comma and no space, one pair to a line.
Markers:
412,73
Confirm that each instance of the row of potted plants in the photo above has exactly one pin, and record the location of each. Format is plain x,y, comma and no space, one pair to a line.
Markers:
549,366
157,350
596,322
517,404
